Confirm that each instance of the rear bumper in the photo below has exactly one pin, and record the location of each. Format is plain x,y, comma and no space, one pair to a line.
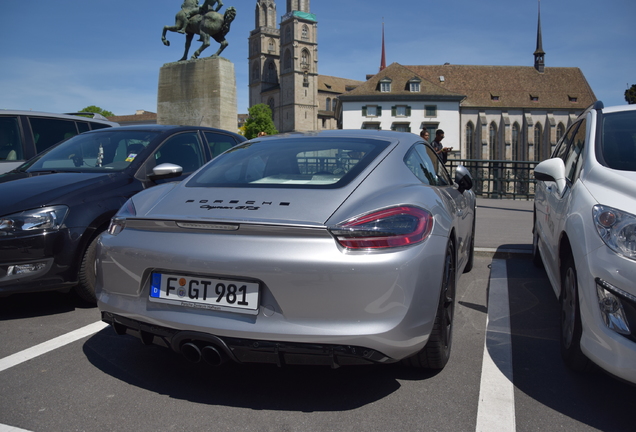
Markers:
247,350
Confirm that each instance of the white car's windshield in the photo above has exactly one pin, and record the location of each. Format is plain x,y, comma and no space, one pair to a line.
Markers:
94,152
619,140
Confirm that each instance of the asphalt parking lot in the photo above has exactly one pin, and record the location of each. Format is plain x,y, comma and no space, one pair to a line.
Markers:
60,370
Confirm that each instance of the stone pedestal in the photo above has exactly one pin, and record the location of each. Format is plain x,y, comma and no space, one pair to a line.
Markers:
198,92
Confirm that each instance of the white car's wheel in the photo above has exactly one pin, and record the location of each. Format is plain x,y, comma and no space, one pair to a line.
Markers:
571,327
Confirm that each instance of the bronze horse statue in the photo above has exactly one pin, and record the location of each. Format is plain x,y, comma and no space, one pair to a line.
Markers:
212,24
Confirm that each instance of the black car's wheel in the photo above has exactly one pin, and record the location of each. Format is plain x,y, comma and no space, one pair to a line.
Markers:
536,254
436,352
85,289
571,327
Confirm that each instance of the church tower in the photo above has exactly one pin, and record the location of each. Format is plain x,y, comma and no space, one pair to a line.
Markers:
539,55
264,57
298,68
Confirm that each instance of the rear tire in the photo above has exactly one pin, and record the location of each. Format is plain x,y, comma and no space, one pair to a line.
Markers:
85,289
571,326
436,352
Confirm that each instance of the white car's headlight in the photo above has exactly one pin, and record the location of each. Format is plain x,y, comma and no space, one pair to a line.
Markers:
617,229
42,219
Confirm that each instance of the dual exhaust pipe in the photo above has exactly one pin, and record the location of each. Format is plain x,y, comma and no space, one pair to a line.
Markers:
209,353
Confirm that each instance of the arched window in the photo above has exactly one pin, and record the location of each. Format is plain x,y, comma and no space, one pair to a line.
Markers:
270,74
288,37
288,60
255,72
538,142
470,133
492,141
271,18
270,46
328,105
270,103
305,32
516,143
560,131
261,18
304,59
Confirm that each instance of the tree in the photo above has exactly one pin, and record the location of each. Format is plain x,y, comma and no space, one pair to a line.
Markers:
630,95
97,110
260,120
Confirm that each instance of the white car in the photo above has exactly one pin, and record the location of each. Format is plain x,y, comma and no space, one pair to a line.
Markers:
585,236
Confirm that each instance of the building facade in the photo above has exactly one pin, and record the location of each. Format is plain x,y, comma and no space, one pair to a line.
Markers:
487,112
283,69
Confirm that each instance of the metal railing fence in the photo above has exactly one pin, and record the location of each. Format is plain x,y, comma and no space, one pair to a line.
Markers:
499,178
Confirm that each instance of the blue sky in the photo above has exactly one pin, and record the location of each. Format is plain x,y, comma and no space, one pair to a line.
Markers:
64,55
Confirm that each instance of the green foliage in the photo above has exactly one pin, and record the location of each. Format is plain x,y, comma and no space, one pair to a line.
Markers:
98,110
630,95
260,120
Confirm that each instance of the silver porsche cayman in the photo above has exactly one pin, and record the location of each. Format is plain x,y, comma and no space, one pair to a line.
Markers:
333,248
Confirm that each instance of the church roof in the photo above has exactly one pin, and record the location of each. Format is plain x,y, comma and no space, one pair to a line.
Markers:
485,86
400,76
513,86
336,85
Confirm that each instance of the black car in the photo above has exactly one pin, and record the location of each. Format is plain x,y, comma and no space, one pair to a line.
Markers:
54,206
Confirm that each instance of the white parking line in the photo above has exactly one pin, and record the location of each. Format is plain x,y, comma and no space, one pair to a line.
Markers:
43,348
496,410
6,428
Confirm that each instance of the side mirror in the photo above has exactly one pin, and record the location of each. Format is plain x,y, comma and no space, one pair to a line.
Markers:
463,178
551,170
165,171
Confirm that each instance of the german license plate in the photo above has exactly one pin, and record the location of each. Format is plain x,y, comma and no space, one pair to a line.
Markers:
205,293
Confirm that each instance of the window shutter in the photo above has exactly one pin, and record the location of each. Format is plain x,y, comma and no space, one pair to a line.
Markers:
393,111
364,111
408,129
408,112
379,111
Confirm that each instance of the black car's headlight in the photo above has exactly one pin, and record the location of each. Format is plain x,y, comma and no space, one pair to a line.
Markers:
29,221
617,229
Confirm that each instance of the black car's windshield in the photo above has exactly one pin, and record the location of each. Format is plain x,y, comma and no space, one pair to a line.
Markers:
309,162
103,151
619,140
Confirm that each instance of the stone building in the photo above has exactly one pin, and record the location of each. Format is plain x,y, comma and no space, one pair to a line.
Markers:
283,69
486,112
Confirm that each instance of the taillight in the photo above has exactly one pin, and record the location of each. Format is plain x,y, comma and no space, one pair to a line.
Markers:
387,228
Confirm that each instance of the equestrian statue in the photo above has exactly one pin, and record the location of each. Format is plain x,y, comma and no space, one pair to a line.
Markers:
205,21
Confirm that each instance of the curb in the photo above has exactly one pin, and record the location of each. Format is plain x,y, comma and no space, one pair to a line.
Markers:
503,253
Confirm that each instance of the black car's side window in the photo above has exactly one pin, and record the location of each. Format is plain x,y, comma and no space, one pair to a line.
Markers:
183,149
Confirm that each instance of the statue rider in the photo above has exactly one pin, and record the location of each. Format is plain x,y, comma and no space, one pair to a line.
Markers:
207,6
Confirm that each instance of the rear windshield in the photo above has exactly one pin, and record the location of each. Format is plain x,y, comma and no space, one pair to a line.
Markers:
305,162
619,140
94,152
